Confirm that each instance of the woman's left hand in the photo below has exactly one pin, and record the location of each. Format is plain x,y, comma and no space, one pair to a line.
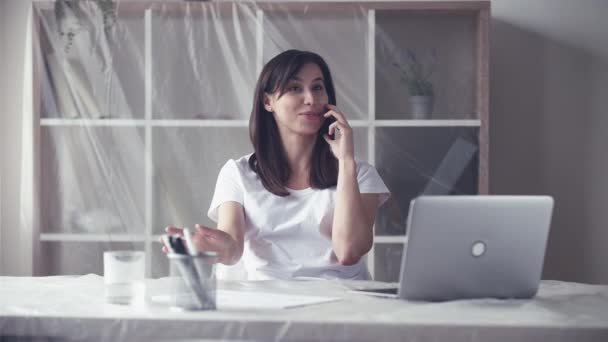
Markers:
342,146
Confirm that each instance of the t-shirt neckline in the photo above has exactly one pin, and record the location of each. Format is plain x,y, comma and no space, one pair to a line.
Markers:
300,191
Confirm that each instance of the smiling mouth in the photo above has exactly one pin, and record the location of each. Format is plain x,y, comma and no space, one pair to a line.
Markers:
311,116
311,113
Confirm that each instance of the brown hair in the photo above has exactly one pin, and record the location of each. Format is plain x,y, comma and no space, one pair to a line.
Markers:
269,160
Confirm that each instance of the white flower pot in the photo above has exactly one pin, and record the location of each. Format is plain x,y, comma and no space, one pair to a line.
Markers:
421,107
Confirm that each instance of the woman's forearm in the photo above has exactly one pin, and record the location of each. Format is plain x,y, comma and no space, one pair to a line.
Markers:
352,235
232,253
232,224
230,249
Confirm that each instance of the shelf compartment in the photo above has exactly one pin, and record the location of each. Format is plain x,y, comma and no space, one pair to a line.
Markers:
213,72
99,75
98,172
414,161
444,42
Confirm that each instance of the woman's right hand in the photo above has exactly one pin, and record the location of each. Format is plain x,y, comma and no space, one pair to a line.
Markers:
209,239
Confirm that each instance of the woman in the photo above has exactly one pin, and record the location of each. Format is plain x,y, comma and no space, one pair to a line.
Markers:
300,205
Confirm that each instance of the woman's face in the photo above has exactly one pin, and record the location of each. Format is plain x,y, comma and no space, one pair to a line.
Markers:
300,109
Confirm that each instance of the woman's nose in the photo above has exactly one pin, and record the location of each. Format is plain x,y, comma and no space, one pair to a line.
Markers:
309,97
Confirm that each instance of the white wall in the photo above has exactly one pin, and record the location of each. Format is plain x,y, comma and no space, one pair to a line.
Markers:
549,127
13,17
549,123
2,114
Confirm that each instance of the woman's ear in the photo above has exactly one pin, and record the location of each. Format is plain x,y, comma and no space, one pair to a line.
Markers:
267,103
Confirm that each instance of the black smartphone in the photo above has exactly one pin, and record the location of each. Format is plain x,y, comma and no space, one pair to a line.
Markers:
325,128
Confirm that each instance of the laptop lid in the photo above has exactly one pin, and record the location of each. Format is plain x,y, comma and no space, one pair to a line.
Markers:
474,247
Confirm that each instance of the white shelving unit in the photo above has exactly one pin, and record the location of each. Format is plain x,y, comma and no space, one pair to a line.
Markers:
369,128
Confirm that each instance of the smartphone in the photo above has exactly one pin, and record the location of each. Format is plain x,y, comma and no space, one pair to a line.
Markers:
325,128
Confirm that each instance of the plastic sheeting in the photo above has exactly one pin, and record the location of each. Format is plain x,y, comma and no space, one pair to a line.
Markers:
142,103
72,308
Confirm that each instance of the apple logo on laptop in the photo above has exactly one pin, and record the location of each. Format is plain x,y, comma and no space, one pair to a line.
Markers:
478,249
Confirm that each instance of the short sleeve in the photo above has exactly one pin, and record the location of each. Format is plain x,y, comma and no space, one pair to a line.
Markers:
370,182
228,188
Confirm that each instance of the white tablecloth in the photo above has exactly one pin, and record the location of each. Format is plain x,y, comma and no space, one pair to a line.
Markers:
73,308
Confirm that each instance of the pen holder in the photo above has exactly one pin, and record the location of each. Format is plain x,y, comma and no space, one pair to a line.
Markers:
193,281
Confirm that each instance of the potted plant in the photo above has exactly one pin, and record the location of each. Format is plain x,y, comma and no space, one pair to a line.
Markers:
71,18
416,74
85,29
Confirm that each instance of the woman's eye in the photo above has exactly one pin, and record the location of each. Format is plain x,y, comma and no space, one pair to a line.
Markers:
318,88
294,88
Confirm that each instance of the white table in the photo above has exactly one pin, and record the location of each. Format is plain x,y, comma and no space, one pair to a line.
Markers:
73,308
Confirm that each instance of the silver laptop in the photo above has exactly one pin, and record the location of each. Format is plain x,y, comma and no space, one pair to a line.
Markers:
463,247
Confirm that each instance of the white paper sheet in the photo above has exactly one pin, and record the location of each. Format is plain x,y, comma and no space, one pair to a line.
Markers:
228,299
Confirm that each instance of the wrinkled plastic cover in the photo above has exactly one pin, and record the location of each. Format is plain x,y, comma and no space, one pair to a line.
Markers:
71,308
143,102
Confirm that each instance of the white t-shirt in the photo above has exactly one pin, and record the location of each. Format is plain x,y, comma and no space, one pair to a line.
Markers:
289,237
